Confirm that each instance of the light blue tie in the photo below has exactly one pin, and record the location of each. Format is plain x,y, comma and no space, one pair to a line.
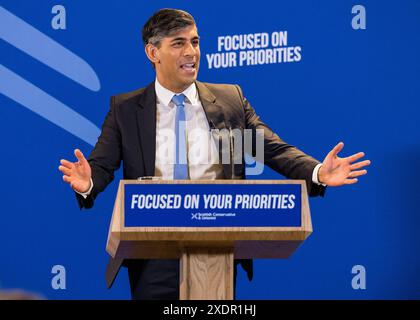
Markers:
181,165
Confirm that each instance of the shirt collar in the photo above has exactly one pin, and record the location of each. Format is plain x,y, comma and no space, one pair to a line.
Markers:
165,96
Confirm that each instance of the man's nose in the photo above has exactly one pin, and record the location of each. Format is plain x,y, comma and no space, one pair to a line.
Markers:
189,50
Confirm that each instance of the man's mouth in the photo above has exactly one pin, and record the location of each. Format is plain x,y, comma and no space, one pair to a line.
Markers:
189,67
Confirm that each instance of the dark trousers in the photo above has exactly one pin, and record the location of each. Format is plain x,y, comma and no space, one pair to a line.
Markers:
157,279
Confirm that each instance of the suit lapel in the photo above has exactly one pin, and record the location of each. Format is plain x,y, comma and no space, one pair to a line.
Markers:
214,112
146,120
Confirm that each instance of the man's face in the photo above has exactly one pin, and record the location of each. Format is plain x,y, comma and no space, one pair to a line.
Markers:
178,59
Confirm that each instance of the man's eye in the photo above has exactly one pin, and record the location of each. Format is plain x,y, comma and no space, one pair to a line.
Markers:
178,43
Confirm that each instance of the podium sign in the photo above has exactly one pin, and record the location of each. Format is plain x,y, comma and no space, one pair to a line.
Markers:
204,205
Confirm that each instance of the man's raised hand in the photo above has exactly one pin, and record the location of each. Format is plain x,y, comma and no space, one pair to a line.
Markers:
77,174
336,171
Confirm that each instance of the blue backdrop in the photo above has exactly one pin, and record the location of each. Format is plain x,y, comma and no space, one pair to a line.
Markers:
359,86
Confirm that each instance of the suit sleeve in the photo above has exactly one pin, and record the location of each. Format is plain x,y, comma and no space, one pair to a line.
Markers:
280,156
105,157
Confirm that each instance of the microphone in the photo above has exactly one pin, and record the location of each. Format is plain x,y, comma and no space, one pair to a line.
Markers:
232,155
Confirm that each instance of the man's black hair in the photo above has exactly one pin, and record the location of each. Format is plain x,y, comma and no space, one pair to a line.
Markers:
163,23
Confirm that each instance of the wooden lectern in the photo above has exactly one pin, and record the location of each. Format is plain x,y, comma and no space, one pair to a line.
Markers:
206,253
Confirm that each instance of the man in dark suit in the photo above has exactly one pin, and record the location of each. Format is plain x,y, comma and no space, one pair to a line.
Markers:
134,133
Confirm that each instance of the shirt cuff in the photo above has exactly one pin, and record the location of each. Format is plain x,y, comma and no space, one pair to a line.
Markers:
315,175
85,194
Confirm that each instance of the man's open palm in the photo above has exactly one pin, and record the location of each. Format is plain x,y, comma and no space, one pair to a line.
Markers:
336,171
77,174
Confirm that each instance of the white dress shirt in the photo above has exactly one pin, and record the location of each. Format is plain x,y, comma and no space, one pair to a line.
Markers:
203,157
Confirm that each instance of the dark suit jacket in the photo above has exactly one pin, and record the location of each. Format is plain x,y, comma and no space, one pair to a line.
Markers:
129,135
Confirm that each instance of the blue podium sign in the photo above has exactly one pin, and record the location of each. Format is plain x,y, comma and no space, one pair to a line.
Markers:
212,205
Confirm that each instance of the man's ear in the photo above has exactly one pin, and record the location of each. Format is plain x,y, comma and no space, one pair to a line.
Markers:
152,53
